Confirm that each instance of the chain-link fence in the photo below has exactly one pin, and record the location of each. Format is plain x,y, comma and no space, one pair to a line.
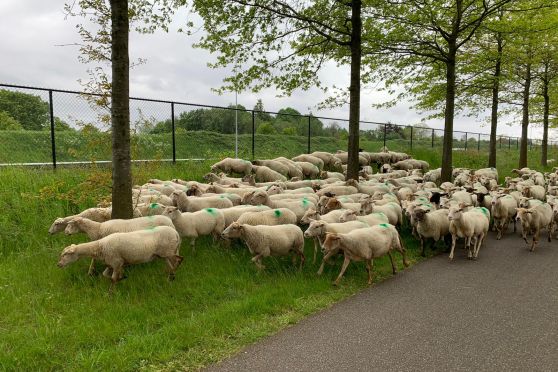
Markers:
52,126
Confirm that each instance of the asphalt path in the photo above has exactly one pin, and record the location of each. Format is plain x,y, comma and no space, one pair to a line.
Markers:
499,313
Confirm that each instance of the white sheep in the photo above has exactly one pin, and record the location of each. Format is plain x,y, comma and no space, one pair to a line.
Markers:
232,214
230,165
472,225
265,241
308,169
208,221
392,210
334,203
316,161
331,162
319,229
276,165
194,203
294,170
504,209
312,214
94,214
533,220
265,174
431,225
535,192
371,219
365,245
128,248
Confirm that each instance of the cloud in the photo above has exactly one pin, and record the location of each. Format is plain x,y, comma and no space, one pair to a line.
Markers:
174,69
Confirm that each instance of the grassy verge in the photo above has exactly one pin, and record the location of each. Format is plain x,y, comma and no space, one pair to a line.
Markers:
63,319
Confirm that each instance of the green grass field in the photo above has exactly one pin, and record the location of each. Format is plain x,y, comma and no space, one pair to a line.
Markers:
55,319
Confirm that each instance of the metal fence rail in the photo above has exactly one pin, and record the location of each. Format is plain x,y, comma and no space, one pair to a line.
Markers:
77,109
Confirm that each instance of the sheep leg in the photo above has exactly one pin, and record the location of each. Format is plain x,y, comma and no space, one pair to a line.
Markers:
116,276
92,270
480,240
257,260
422,252
393,268
549,229
107,273
303,259
343,268
453,241
535,240
469,241
369,264
193,244
316,243
324,260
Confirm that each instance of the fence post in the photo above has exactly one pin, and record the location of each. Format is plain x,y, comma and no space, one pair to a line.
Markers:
478,143
530,144
509,143
411,138
432,138
253,135
52,142
309,132
385,130
500,141
173,135
466,133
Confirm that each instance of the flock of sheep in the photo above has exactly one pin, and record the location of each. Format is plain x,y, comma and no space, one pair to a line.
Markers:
267,206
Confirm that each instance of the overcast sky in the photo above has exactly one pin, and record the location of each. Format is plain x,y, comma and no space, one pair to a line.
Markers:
32,32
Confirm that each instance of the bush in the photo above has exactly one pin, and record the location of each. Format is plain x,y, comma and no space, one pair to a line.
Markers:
266,128
289,131
9,123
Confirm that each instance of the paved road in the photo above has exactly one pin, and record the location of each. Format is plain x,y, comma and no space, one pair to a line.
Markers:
498,313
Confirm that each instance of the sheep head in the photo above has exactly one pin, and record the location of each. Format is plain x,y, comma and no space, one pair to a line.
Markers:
420,214
57,226
68,256
310,215
234,230
366,206
171,212
332,242
316,228
332,204
74,226
348,215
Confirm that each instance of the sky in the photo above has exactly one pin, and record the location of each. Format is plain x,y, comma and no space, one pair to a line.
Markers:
36,50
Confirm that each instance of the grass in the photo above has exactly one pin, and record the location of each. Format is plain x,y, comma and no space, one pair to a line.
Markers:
64,319
56,319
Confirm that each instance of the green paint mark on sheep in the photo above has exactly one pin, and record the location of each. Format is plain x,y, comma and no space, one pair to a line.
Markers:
151,228
277,213
384,225
222,197
150,217
305,202
484,210
211,211
153,205
379,213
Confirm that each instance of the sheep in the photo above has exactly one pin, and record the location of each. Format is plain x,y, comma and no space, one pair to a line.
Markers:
225,181
194,203
277,166
431,225
312,214
344,158
128,248
196,191
265,174
94,214
326,174
534,191
271,217
148,199
371,219
331,162
334,203
471,224
299,207
195,224
365,244
232,214
265,241
151,209
434,175
491,173
294,170
337,190
306,158
309,170
98,230
504,209
230,165
533,220
319,229
241,191
392,210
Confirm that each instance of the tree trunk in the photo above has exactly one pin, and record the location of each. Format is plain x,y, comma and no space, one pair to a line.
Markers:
449,113
546,112
495,101
354,91
525,119
120,112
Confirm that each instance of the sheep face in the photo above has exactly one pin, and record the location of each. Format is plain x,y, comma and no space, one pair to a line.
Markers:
420,214
171,212
522,214
316,228
455,213
57,226
194,191
332,242
367,207
331,204
274,190
348,215
234,230
175,196
73,226
68,256
309,216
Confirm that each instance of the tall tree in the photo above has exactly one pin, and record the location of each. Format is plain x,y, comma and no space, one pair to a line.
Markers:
120,111
285,44
426,37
